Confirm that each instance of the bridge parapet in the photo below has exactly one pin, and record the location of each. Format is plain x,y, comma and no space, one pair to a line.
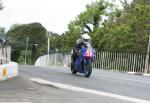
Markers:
8,69
115,61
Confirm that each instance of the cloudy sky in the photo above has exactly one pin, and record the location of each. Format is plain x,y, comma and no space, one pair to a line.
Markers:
54,15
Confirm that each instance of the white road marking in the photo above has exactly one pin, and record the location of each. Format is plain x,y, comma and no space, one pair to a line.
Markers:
136,80
74,88
15,102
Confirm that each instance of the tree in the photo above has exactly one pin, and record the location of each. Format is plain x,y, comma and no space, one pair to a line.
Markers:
145,2
36,33
86,22
58,42
92,17
54,42
126,29
1,7
3,34
2,30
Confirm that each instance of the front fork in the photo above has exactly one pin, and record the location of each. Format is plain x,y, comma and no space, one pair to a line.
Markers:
85,62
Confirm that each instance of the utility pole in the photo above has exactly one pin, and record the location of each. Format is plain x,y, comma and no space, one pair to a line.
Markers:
48,46
147,58
27,40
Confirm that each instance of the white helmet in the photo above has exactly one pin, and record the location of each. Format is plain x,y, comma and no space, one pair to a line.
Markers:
85,38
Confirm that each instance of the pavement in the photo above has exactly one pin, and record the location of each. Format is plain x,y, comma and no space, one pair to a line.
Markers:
21,90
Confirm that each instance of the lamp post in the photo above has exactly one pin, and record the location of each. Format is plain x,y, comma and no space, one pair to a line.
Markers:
56,50
147,58
26,52
48,45
25,60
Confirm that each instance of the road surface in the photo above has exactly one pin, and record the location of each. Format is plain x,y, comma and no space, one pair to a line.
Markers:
102,87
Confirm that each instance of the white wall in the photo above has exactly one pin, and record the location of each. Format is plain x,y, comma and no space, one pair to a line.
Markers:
11,70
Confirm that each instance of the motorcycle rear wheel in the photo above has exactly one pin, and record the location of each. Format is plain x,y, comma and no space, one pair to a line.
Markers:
73,71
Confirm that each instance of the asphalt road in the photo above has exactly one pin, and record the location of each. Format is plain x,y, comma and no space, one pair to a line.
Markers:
105,81
21,90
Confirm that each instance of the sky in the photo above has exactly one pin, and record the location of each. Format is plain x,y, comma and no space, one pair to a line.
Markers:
54,15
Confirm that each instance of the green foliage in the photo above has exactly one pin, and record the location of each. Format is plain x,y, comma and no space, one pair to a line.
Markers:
2,32
35,31
58,42
86,22
4,35
127,29
91,18
1,7
37,35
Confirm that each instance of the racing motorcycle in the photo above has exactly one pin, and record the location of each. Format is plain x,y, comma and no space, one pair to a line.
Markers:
83,63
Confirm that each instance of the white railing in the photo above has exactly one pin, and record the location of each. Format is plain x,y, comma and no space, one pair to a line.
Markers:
126,62
55,59
5,54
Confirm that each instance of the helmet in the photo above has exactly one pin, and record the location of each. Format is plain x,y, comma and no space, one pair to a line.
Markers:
85,38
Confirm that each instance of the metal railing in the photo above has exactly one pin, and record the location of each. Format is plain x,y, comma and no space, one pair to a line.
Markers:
5,54
117,61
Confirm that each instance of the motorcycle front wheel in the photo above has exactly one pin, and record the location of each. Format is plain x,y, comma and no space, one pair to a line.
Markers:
87,70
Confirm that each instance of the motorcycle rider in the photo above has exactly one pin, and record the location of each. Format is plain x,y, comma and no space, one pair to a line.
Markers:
83,41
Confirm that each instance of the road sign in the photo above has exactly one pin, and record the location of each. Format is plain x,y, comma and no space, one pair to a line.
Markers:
4,72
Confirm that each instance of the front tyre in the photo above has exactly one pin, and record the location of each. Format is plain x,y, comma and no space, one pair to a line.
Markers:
87,70
73,71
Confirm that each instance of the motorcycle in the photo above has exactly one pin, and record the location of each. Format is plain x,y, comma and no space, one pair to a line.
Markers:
83,63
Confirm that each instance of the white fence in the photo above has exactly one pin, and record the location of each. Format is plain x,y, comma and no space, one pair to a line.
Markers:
126,62
56,59
5,54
